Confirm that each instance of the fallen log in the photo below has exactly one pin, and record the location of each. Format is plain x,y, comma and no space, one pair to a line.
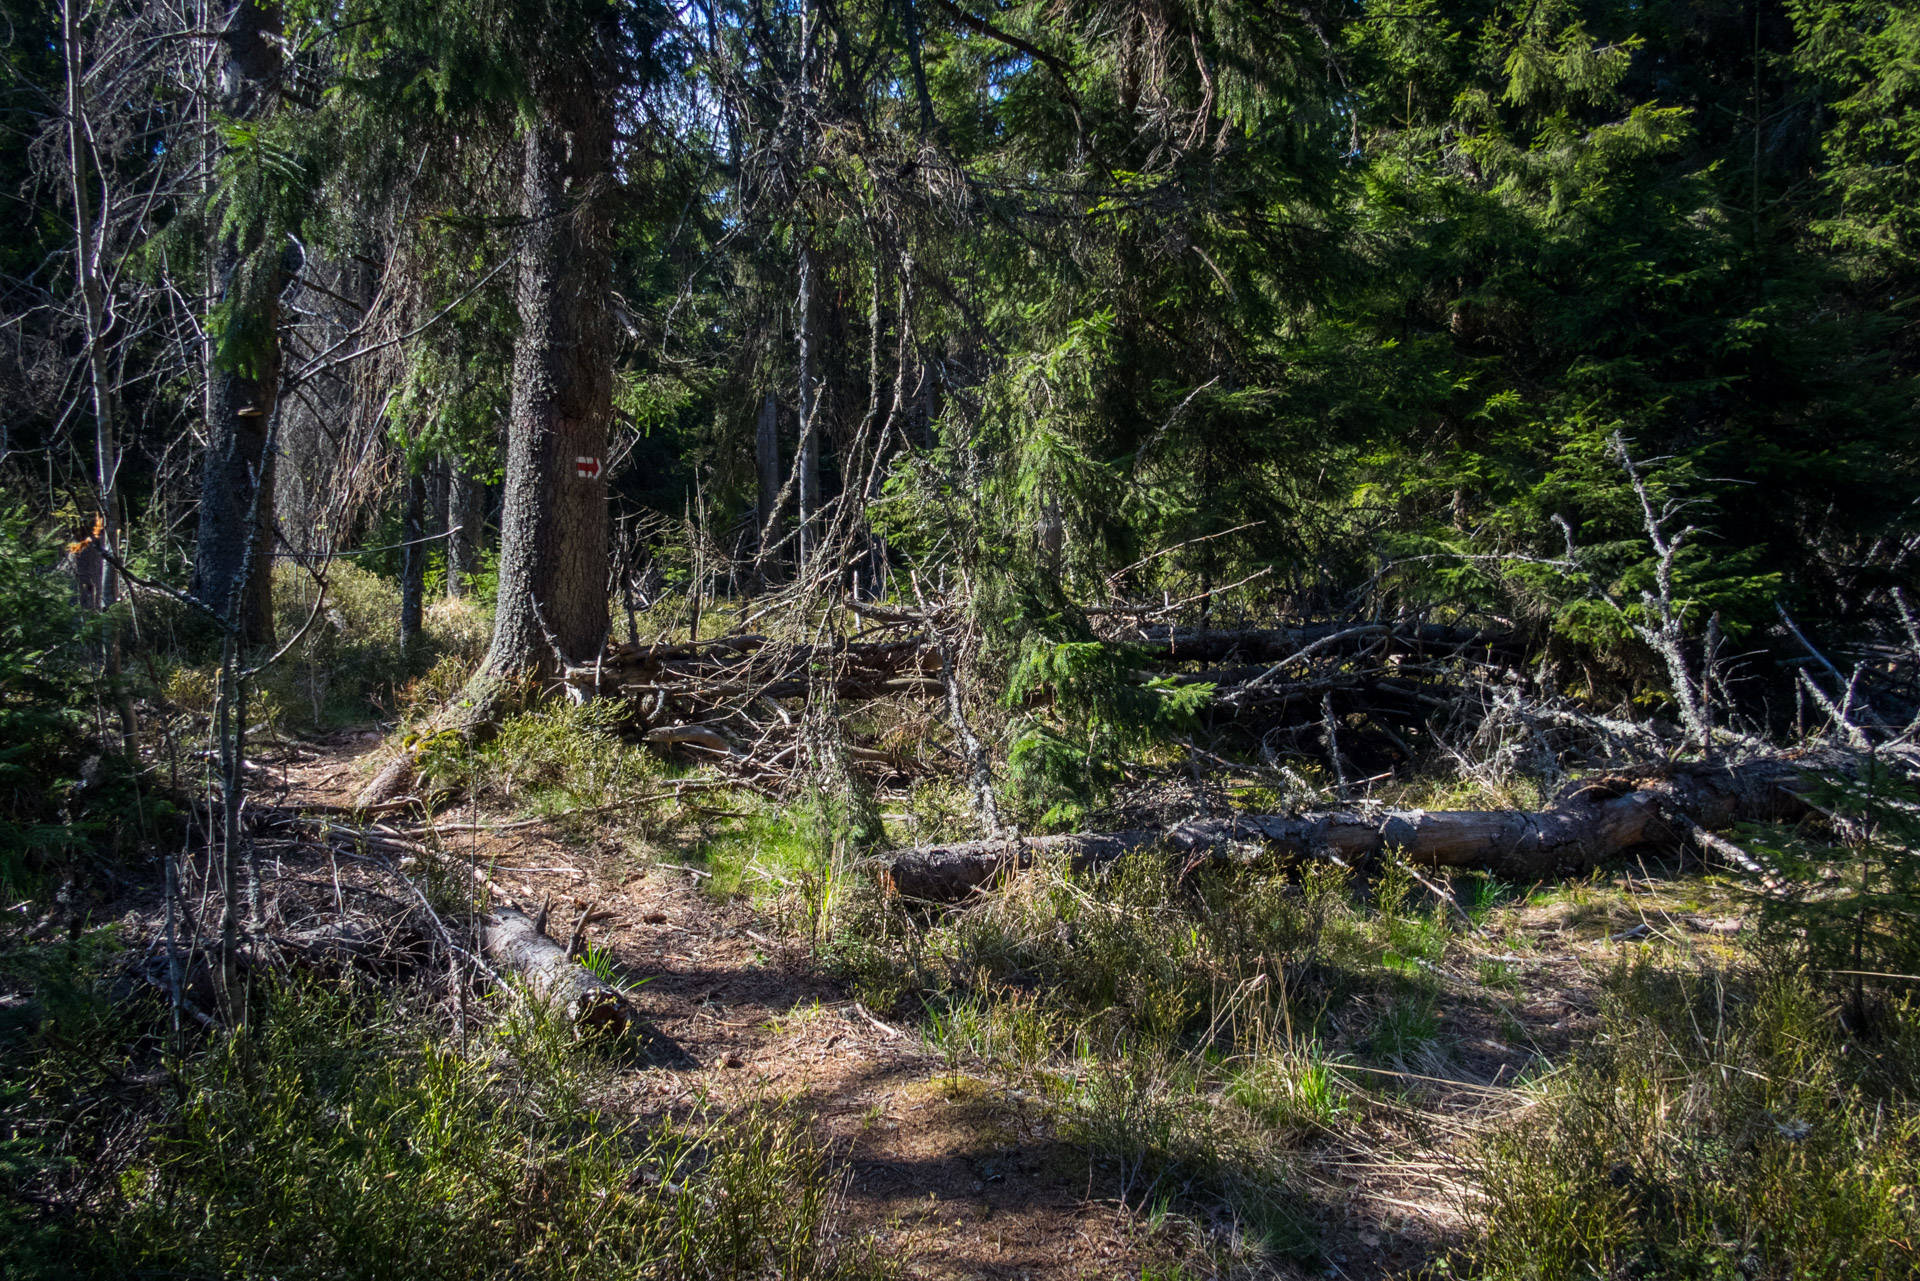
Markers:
516,945
1591,821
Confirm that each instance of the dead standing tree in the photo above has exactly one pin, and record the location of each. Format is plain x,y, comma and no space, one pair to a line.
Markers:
116,183
1665,616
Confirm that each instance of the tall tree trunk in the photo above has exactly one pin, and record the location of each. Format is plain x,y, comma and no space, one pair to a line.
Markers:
552,605
809,440
103,581
766,462
436,505
911,20
413,563
238,409
924,412
240,404
466,520
312,494
553,522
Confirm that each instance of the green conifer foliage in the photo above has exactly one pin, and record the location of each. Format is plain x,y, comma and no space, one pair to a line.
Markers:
1850,906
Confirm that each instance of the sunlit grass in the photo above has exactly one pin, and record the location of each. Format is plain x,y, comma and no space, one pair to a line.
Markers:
345,1134
1722,1124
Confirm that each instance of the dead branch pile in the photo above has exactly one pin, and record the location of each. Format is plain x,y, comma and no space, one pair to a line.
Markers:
332,897
736,701
498,937
694,678
1394,672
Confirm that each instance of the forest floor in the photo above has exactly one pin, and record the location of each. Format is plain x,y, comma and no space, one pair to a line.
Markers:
959,1172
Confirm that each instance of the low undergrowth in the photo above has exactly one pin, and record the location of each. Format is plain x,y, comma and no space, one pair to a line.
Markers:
558,758
1752,1114
1193,1029
797,856
71,806
1730,1109
1725,1124
347,1135
345,660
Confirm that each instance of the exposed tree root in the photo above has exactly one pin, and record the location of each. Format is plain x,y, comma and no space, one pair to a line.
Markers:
393,779
472,714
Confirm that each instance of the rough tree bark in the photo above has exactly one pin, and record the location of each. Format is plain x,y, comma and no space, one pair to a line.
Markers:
466,519
553,522
553,517
238,407
413,562
1589,822
239,404
515,944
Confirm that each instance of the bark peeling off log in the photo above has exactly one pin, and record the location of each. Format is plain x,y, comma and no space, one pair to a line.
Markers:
1590,822
516,945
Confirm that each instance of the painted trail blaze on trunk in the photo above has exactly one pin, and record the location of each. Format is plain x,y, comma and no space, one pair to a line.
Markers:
553,538
553,516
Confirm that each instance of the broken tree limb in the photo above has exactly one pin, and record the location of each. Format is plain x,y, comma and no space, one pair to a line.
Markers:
516,945
694,735
1590,822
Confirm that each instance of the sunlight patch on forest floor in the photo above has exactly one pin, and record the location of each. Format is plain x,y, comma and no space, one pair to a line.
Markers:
968,1164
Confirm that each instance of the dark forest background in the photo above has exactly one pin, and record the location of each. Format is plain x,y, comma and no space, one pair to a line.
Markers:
1373,286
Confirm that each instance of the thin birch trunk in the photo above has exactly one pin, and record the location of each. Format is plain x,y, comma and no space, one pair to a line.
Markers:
90,274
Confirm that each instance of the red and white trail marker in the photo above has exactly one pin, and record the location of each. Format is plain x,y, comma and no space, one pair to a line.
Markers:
586,468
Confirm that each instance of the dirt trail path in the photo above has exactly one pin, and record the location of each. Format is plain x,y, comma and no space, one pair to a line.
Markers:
956,1174
951,1174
